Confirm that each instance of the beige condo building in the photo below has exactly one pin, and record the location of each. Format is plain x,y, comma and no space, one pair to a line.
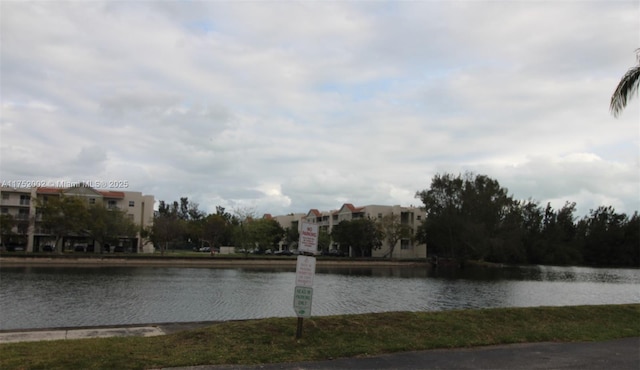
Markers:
407,248
27,233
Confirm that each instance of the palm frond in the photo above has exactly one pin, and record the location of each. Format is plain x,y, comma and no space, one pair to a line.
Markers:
627,87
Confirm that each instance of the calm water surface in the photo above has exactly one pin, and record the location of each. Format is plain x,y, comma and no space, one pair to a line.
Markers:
46,297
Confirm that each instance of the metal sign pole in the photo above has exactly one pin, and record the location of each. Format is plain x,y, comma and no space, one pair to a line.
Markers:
305,270
299,330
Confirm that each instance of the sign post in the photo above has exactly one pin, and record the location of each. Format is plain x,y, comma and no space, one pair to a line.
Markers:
305,271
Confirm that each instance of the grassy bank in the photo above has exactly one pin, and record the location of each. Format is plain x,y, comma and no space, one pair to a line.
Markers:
273,340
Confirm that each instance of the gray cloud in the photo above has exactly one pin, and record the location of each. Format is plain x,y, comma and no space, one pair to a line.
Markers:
235,104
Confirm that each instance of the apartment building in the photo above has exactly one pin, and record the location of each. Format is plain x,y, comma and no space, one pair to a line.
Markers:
27,234
405,248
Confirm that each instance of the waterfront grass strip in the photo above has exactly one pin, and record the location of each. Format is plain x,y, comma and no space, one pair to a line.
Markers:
273,340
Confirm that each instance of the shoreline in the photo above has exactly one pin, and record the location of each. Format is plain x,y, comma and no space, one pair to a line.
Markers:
85,261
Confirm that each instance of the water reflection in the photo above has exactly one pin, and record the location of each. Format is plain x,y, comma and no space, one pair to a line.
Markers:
40,297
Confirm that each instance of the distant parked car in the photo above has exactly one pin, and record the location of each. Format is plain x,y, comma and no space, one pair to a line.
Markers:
336,253
79,247
205,249
48,248
283,253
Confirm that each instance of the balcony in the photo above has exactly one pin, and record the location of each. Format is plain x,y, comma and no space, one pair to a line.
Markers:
15,203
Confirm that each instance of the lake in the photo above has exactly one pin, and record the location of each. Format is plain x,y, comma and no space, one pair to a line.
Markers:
48,297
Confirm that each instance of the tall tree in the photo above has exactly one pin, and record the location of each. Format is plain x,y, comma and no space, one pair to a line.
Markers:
7,222
324,239
605,236
292,236
465,215
264,233
559,245
215,230
189,210
363,235
393,231
242,217
167,226
63,216
107,226
627,87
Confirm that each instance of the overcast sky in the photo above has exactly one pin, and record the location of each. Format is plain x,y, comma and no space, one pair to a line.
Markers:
285,106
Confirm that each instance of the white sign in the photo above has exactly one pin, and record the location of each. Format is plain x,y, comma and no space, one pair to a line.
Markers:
305,270
308,238
302,301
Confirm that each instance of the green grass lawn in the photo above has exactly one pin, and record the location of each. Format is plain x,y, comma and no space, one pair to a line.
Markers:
273,340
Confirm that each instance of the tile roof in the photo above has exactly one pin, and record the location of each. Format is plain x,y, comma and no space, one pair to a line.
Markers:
315,212
43,190
112,194
106,194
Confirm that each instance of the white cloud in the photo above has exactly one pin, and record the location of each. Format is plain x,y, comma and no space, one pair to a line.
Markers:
290,106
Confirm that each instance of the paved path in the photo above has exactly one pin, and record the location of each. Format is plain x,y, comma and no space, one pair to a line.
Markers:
57,334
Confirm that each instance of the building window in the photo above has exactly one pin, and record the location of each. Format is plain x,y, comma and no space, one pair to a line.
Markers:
418,217
5,196
132,203
92,200
25,200
404,244
23,214
379,215
112,204
5,210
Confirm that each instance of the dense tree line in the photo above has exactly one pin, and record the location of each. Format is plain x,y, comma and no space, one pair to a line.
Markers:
469,217
181,225
472,217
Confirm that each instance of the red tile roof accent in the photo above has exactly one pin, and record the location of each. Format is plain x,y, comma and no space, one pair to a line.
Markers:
112,194
106,194
44,190
351,208
315,212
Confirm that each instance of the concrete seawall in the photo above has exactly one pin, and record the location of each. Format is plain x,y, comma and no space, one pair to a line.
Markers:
191,262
